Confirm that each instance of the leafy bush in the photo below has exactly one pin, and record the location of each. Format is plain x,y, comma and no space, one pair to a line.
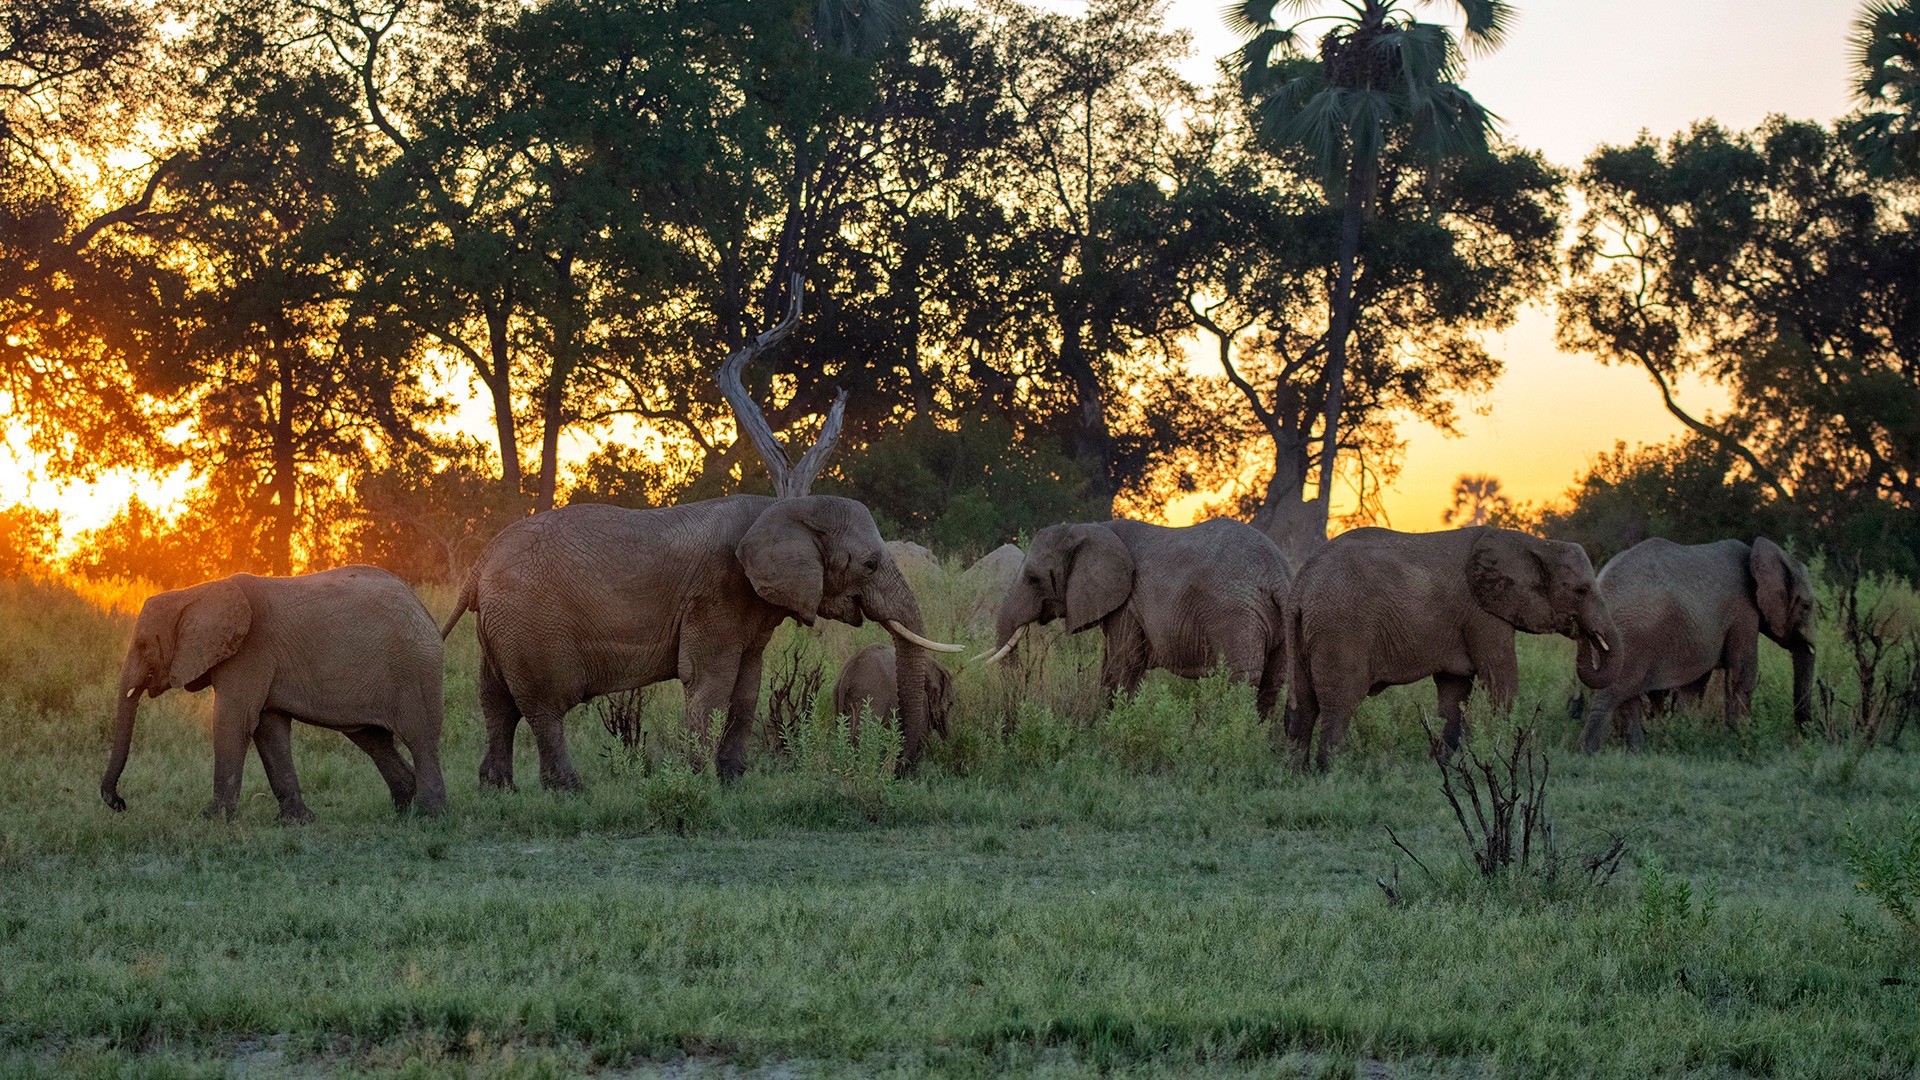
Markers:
862,770
1039,737
1144,731
1889,873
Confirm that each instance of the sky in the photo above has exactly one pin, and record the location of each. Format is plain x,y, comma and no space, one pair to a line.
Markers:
1573,74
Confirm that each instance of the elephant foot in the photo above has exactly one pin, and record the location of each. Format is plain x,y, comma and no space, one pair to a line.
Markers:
497,780
429,807
568,782
730,771
297,814
218,811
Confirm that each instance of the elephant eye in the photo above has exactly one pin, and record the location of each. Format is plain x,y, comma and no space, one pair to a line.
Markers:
871,564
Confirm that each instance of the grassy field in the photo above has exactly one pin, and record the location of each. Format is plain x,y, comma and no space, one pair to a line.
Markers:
1063,893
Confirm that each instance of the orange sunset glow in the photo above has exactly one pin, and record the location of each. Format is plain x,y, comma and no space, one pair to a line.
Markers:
1570,77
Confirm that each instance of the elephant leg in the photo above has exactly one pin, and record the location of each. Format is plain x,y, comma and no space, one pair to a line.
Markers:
273,741
1743,670
503,718
741,707
1454,691
430,789
1685,697
1335,713
1273,676
550,736
378,744
1123,656
236,712
1599,718
710,671
1630,715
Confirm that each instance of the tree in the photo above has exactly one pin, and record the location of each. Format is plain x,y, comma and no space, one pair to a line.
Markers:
1477,500
1773,263
1376,75
1089,100
1250,246
79,82
1886,62
286,367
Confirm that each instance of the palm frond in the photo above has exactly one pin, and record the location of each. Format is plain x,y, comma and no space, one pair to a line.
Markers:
1488,22
1886,51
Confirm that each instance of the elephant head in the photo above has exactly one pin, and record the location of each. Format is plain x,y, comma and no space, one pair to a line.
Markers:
1546,587
1783,591
821,556
179,638
1081,573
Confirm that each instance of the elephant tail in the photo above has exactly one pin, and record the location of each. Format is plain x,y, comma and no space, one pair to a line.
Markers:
469,594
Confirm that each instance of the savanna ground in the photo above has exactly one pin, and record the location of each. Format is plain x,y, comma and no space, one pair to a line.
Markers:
1147,892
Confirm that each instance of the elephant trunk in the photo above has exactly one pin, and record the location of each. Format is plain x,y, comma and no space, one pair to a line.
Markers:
1598,647
889,601
1803,680
131,683
1019,609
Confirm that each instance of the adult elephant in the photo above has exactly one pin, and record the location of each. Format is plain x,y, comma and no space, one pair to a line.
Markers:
1685,610
1375,608
1183,600
589,600
350,649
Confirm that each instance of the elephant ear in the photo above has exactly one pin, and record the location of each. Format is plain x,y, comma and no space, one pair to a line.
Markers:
1772,586
1101,578
212,624
781,555
1510,581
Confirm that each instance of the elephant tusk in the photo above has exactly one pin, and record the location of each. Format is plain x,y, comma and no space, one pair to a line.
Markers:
1602,642
132,693
1004,649
925,643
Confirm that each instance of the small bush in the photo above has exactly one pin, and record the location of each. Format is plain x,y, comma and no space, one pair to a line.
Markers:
1889,873
1040,737
1667,912
1144,732
863,771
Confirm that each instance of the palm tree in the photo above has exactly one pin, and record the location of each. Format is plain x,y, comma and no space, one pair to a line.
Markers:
1886,60
1376,75
1476,499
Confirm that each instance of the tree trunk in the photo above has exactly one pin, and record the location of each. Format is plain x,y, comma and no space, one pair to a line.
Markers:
1092,444
1296,524
284,484
553,397
499,381
1361,180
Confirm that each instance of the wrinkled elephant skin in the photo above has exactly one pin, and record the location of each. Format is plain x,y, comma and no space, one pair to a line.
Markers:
350,649
589,600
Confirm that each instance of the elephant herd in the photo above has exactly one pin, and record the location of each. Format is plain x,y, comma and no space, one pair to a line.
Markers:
589,600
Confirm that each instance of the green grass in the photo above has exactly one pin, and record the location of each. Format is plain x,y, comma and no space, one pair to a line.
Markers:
1149,892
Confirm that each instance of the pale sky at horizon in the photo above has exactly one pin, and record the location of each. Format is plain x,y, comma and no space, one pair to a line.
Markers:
1574,74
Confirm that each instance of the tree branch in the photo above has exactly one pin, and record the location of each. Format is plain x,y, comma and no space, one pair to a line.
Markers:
789,479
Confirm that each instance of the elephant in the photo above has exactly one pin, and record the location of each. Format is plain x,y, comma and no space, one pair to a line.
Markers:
869,679
351,649
1179,599
591,599
1375,608
1687,609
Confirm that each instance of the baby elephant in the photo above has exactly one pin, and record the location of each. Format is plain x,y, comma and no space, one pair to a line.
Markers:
869,679
350,649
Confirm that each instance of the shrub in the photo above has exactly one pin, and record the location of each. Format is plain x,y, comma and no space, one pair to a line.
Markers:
862,771
1889,873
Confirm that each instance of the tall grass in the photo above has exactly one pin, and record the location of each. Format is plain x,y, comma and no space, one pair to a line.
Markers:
1070,886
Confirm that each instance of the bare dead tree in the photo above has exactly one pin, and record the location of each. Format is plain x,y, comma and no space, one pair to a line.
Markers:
790,479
